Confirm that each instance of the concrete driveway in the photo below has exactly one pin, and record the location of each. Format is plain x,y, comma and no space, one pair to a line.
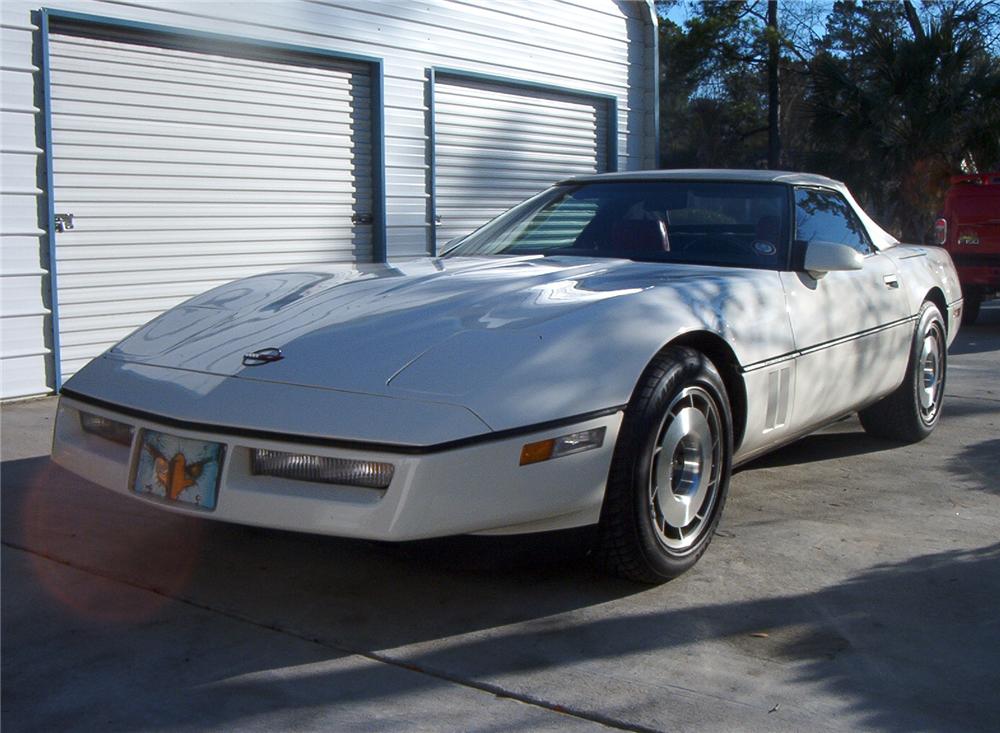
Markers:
853,584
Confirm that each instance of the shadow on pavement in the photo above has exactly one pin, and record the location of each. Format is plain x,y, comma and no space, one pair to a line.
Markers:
469,580
822,447
502,609
980,463
983,335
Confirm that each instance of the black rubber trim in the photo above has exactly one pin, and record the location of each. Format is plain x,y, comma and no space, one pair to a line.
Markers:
825,345
361,445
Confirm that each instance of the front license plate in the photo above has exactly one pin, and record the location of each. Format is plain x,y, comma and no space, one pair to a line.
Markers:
178,469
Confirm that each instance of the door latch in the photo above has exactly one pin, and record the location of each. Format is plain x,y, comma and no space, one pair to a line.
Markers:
64,222
362,219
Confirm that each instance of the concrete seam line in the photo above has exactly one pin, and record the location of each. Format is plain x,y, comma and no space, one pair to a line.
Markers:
487,687
975,399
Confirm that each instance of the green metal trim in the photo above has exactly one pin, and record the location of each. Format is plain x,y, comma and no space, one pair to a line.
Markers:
50,205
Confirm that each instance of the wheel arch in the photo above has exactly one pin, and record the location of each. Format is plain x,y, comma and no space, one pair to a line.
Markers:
936,296
724,359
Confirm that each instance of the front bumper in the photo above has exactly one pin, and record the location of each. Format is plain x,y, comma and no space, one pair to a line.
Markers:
473,488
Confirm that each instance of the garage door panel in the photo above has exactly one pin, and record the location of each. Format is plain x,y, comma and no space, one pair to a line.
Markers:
82,49
497,144
84,86
78,142
149,121
484,125
226,173
304,252
503,114
208,196
526,182
185,170
453,155
208,185
296,160
102,74
129,295
169,110
77,129
186,269
246,103
471,137
280,238
479,95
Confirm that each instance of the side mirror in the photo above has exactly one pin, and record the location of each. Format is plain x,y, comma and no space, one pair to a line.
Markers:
824,257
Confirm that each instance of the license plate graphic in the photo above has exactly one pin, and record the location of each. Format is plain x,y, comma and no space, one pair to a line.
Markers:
177,469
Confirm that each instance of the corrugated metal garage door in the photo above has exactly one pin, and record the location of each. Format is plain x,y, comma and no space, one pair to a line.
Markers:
497,144
185,170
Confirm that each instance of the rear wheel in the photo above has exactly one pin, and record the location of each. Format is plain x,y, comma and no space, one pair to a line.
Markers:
670,474
910,413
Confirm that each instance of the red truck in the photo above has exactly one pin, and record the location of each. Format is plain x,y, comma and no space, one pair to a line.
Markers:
970,230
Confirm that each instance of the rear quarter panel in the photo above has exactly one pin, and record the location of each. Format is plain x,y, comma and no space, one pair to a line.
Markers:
921,270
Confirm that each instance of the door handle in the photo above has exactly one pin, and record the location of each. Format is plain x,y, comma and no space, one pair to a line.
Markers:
890,281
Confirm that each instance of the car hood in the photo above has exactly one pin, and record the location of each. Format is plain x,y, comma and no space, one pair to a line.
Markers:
354,328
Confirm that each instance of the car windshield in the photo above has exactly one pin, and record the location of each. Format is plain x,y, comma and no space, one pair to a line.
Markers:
700,222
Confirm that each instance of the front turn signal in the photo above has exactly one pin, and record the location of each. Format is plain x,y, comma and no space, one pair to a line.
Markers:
564,445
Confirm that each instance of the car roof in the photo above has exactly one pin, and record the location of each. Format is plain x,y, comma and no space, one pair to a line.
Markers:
710,174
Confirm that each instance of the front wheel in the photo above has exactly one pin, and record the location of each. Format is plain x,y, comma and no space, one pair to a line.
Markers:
910,413
670,473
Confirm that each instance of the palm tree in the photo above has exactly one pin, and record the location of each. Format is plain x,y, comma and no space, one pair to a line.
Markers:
897,108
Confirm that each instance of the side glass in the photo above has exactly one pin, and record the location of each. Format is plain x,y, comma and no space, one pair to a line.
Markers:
826,216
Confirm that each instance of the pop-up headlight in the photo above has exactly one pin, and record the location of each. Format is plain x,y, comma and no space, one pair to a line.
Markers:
116,432
302,467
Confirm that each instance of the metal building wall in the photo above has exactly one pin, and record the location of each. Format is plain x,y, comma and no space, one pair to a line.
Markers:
601,46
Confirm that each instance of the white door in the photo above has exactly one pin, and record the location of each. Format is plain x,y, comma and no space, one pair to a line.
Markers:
495,145
184,169
851,328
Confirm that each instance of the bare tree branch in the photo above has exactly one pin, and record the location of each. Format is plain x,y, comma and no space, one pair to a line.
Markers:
914,20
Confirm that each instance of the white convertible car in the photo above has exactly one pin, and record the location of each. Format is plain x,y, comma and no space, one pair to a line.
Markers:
603,353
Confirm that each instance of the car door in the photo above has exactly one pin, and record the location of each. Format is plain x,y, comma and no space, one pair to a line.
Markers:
851,329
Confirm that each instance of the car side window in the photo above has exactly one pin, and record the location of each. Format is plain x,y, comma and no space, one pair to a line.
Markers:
826,216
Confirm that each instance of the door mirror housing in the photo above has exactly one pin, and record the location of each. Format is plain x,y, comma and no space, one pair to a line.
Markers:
824,257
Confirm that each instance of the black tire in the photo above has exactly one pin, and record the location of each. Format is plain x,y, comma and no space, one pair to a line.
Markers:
970,308
680,398
909,414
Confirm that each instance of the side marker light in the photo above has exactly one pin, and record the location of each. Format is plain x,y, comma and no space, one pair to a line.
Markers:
544,450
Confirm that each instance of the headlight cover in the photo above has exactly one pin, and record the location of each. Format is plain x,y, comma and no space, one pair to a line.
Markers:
321,469
116,432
